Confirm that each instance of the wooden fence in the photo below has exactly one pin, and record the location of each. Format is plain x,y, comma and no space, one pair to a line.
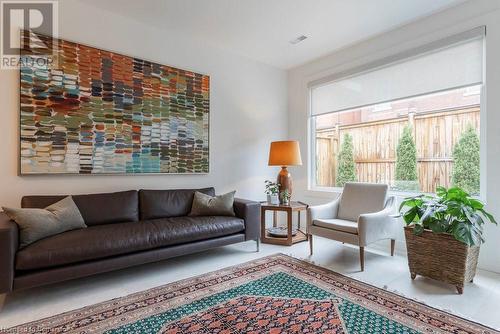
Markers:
375,147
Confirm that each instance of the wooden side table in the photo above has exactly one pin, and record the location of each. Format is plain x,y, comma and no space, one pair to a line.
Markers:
265,237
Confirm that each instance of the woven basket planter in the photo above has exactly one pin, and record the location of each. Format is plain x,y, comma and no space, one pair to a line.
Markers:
441,257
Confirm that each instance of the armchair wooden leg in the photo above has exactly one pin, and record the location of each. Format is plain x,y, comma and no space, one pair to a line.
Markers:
362,258
393,246
311,244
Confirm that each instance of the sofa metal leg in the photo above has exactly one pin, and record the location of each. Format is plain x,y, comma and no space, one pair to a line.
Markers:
310,244
362,258
258,244
393,246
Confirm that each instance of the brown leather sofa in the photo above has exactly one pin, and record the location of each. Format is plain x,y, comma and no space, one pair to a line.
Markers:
124,229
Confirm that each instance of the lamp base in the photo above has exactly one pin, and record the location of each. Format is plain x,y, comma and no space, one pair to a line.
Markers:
285,181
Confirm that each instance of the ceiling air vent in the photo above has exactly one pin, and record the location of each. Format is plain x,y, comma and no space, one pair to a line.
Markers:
297,40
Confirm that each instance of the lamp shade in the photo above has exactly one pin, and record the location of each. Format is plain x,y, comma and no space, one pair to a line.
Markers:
285,153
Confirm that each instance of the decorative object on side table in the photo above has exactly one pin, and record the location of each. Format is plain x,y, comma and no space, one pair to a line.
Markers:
286,235
285,197
444,234
285,153
280,232
272,192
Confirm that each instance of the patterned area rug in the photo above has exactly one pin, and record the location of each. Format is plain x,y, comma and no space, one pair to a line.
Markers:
275,294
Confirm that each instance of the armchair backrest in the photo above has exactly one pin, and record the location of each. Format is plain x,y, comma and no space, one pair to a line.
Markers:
359,198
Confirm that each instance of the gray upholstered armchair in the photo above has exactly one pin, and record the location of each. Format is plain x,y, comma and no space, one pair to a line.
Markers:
360,216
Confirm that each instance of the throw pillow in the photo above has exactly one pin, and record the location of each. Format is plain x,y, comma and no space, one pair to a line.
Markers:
206,205
36,224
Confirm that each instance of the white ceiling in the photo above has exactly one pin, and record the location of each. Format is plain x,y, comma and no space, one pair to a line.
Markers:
262,29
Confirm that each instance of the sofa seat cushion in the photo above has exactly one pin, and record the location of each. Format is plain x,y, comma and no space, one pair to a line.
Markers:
102,241
338,225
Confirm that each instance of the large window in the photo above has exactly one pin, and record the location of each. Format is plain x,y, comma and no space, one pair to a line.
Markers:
412,123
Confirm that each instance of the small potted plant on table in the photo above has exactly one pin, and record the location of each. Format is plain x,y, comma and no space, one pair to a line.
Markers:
444,234
285,197
272,191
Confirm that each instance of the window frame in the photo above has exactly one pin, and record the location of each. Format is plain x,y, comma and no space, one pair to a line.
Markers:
326,192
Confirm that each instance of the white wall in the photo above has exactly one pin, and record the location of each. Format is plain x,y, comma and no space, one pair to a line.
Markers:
248,105
455,20
247,110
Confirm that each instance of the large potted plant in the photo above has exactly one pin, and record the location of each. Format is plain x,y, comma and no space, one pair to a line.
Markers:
444,234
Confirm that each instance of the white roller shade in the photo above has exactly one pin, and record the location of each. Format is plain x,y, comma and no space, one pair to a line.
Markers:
454,66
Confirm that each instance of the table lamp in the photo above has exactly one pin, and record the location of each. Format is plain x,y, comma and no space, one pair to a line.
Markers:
284,153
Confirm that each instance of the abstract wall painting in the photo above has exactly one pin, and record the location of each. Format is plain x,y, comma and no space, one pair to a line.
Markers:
99,112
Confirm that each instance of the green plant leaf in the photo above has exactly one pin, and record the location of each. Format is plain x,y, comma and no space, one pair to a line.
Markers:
438,226
488,216
441,191
462,233
410,215
418,229
476,204
410,202
467,233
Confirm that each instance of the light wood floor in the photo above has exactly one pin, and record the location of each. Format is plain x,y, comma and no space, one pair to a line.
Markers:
480,301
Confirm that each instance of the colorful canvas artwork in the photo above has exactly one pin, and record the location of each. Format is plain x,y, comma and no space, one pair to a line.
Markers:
98,112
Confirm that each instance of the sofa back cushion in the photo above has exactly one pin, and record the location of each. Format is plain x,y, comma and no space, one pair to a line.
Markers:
359,198
156,204
96,209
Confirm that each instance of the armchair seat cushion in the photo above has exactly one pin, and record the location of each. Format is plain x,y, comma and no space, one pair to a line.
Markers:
338,225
